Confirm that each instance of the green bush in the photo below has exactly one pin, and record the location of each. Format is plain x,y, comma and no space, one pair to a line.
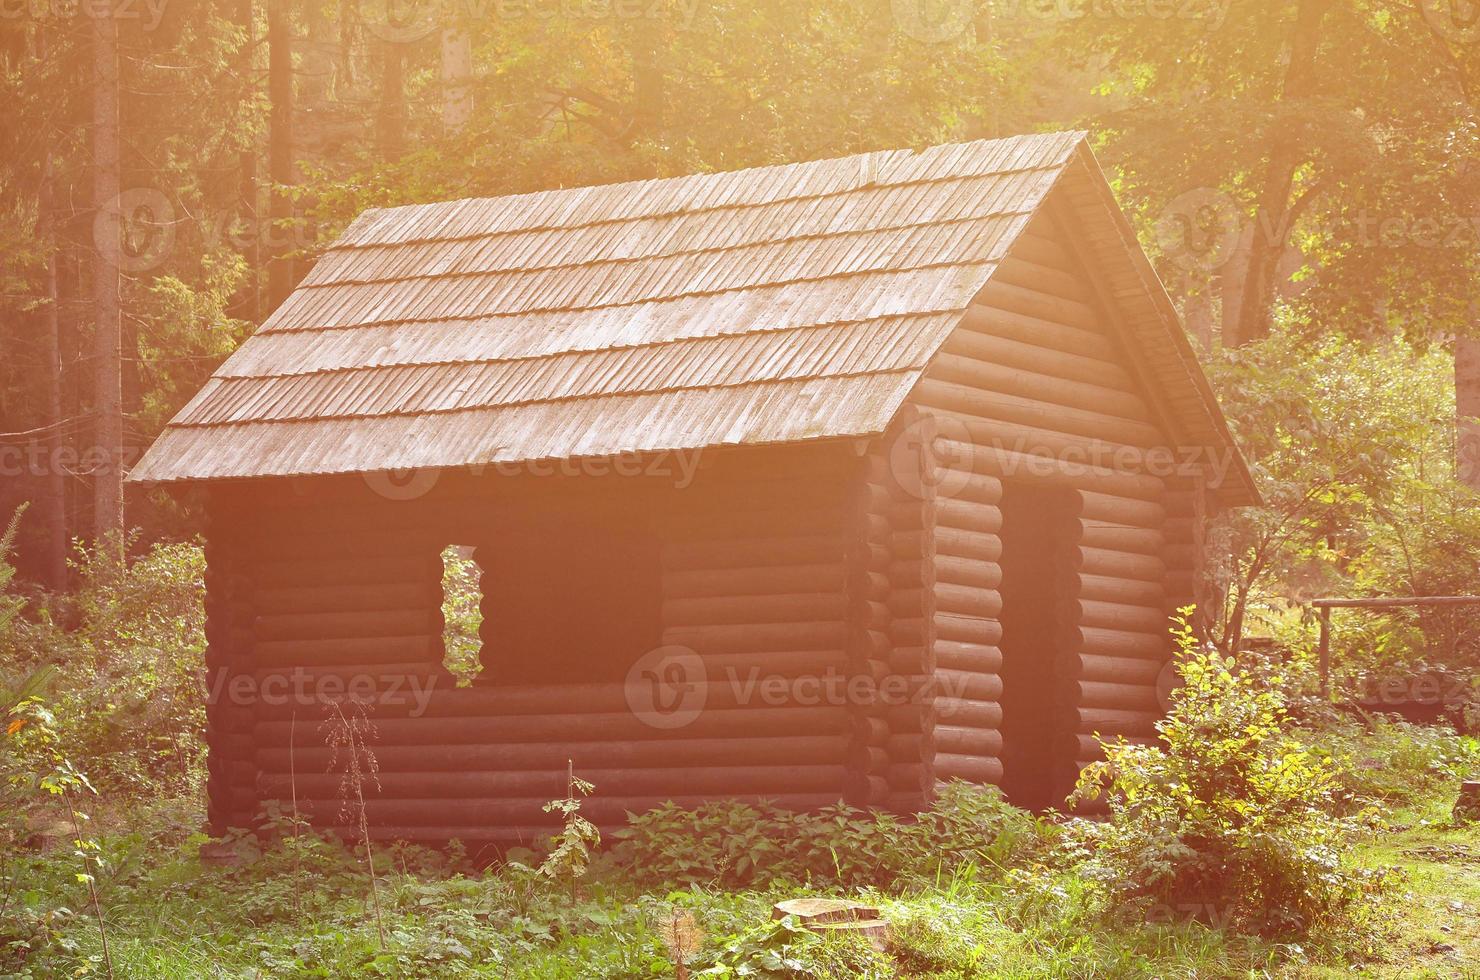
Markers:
128,647
733,845
1231,820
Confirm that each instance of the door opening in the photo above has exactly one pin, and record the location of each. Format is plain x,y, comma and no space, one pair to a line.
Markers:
1035,526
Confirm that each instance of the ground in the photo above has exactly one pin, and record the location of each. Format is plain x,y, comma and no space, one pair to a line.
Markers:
305,912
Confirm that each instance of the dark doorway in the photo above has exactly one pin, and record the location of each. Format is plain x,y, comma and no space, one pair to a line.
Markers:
1035,524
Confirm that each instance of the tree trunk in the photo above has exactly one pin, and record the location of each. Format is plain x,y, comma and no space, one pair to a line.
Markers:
280,278
1197,313
108,377
53,497
647,81
249,304
1467,409
392,135
316,61
457,71
1271,221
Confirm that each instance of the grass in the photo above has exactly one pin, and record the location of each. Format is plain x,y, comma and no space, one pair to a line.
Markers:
299,908
170,916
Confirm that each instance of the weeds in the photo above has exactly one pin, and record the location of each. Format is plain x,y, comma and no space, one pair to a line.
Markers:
347,734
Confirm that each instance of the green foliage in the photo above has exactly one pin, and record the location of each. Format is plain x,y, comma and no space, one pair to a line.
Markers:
462,615
293,906
571,849
1373,221
10,604
127,651
1231,818
783,950
732,845
1351,442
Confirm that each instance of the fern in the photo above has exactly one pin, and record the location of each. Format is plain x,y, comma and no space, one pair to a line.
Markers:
10,605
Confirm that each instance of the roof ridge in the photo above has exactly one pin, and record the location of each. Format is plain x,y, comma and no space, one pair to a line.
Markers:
367,219
340,245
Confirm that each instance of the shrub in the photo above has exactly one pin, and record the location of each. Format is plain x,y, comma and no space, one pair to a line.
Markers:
733,845
1231,820
128,646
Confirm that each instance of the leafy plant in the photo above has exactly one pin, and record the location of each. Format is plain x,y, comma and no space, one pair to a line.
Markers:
571,849
1230,819
1387,762
65,782
784,950
733,845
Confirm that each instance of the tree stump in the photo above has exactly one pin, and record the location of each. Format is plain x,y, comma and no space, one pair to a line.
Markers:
831,916
1467,807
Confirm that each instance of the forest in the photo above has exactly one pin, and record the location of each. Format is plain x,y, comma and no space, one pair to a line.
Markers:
1302,175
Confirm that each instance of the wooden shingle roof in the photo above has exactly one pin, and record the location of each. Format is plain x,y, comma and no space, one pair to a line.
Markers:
777,304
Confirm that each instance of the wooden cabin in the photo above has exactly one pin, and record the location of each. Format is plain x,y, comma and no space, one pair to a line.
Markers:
826,481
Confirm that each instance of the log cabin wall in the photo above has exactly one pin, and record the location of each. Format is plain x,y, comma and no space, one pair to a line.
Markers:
773,569
1035,393
322,590
775,575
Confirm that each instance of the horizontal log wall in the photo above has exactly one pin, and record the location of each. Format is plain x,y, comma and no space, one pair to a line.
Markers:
1114,645
773,569
968,606
770,580
323,606
1036,389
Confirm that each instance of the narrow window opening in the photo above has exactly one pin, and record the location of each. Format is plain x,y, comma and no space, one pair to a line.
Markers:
462,613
